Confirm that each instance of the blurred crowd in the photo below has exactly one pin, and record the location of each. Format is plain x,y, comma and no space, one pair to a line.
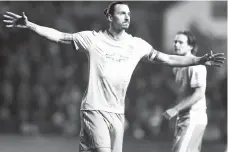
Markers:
42,83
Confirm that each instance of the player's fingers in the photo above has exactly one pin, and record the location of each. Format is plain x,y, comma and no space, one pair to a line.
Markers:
8,17
216,58
20,26
219,61
219,58
219,55
9,25
13,15
168,117
211,52
23,15
217,64
165,115
7,21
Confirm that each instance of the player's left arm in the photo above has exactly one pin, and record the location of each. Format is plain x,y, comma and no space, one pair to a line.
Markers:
208,59
198,93
197,76
185,103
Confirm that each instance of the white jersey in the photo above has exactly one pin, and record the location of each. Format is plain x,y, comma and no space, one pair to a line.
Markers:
189,78
111,64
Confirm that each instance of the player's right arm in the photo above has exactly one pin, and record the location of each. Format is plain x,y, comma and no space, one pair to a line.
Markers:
155,56
14,20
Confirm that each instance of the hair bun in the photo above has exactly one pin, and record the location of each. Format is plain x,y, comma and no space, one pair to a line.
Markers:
106,11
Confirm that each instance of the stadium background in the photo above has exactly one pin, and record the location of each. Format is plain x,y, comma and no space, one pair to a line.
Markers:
42,83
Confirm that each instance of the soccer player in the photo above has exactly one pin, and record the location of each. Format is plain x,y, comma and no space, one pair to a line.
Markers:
113,56
191,103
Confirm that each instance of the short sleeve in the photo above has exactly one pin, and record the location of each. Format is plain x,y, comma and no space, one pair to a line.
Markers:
83,40
148,52
198,76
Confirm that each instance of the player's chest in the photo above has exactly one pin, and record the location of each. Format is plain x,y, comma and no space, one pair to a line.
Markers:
181,77
113,52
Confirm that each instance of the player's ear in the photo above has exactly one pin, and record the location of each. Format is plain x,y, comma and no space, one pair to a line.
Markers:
109,17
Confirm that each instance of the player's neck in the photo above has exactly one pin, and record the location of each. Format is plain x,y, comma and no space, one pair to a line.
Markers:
115,34
189,54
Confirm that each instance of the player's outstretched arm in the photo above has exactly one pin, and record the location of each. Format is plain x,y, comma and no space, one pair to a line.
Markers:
14,20
208,59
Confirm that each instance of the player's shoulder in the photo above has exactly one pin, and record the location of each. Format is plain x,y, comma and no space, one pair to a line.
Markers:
88,33
137,39
93,32
198,69
140,42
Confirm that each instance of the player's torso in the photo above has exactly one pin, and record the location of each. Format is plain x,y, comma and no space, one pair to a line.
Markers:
111,67
183,78
183,81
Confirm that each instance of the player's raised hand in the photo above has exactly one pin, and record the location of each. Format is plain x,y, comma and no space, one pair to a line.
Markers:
15,20
211,59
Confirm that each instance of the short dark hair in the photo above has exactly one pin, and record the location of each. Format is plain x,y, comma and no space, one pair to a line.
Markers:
111,8
191,40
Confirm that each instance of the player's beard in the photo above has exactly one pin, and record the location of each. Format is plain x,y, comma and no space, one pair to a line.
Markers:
126,25
121,26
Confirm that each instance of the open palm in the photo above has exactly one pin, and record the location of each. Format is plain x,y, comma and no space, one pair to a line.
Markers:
211,59
14,20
